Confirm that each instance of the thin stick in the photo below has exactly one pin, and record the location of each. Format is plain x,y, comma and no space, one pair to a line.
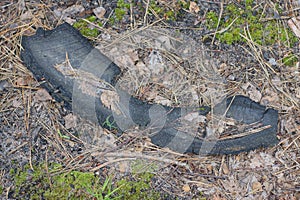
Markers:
219,19
131,15
133,156
17,148
224,29
247,133
146,12
126,35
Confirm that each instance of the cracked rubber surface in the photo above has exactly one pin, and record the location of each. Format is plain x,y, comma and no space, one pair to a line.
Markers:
47,49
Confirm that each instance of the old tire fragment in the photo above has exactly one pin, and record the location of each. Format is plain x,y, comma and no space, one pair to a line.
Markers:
47,49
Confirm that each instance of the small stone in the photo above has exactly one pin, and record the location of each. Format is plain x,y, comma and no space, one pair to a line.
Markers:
231,77
3,85
272,62
57,12
105,36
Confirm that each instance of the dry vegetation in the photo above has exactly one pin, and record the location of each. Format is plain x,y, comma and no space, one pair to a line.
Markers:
35,129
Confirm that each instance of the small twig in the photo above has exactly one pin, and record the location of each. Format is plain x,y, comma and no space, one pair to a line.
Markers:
208,175
110,14
146,12
131,15
128,34
57,142
219,19
224,29
75,162
257,54
200,183
273,18
7,5
17,148
111,162
133,156
290,144
263,64
247,133
221,165
211,2
286,169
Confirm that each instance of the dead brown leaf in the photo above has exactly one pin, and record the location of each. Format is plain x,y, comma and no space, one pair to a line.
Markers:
194,8
256,186
252,91
70,121
42,95
99,12
23,81
110,99
186,188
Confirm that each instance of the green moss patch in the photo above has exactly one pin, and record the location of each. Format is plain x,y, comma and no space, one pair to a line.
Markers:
139,187
38,183
290,60
85,29
235,21
49,183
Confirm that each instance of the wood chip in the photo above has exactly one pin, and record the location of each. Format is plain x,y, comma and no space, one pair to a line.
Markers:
186,188
42,95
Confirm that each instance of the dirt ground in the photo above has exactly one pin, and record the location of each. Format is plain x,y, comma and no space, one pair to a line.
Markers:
35,129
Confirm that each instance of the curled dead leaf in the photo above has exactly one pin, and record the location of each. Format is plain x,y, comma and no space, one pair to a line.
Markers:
99,12
70,121
252,91
42,95
110,99
186,188
194,8
23,81
256,186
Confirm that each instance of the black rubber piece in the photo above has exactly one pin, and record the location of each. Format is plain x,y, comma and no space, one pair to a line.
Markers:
48,48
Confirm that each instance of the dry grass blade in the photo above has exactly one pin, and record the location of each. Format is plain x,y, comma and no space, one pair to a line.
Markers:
258,55
146,12
131,32
134,156
219,19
